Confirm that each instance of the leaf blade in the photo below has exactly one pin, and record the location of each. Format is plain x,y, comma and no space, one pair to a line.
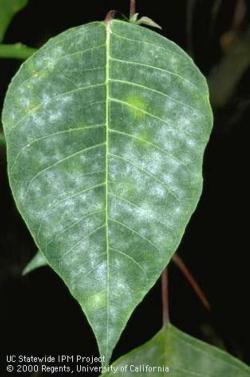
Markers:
97,125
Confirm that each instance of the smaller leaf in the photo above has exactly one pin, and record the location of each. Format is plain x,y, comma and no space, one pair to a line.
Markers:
37,261
173,353
8,9
134,18
149,22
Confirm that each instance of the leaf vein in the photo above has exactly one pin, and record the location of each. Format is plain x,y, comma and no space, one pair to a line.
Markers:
79,242
76,194
149,143
140,208
160,93
135,232
37,73
52,135
156,68
55,98
130,258
86,215
63,160
150,115
170,52
171,192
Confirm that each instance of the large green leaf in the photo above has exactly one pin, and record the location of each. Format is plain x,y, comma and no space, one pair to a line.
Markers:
8,9
173,353
106,128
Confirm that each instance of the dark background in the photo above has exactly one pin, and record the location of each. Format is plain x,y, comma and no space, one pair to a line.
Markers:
37,313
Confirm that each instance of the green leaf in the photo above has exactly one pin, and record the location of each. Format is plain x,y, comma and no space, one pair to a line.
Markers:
8,9
134,18
37,261
178,355
149,22
106,127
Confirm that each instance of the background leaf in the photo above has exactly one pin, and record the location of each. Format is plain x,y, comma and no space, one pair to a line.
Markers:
184,355
37,261
8,9
147,21
106,128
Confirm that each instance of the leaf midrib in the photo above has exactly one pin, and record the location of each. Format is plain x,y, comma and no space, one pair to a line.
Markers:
108,34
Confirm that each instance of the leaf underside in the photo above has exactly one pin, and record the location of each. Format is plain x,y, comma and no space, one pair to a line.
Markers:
106,128
183,355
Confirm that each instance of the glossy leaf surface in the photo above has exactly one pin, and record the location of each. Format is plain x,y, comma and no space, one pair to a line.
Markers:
106,128
178,355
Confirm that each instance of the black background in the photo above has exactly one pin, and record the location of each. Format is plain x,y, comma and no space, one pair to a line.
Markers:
37,314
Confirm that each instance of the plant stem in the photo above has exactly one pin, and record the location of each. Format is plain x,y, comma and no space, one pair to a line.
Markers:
165,298
110,15
15,51
132,8
191,280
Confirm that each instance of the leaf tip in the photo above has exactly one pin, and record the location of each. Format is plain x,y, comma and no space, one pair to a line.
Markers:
149,22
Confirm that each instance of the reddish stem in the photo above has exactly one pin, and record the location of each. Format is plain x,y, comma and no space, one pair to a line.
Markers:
132,8
165,297
110,15
191,280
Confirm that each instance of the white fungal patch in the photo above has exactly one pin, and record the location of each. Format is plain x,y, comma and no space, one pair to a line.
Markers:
25,102
55,116
66,99
37,119
169,180
153,162
184,122
46,99
63,184
158,192
177,210
191,142
145,213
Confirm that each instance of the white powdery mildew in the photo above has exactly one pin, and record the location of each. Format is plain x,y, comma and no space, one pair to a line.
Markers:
56,115
46,99
185,122
24,102
145,195
88,268
117,170
158,192
152,161
145,213
166,136
37,120
77,244
44,61
72,226
169,105
153,164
